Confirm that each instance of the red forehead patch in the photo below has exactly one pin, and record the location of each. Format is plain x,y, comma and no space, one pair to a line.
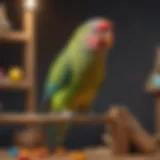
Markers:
104,25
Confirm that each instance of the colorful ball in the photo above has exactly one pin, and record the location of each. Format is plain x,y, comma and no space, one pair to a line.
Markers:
24,156
14,151
60,151
35,154
15,74
157,81
43,153
78,156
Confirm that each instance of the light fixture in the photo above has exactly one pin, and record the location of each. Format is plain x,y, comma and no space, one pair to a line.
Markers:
30,4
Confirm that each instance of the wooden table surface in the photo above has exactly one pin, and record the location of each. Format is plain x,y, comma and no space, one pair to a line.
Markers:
93,154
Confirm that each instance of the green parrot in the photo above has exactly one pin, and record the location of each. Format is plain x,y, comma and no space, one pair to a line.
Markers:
77,73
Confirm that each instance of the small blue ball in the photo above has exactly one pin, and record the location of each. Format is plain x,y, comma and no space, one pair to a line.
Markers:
157,81
13,151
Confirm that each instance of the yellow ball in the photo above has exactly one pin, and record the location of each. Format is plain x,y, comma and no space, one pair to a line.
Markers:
15,74
78,156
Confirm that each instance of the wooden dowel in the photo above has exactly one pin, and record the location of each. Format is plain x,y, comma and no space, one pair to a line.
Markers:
29,59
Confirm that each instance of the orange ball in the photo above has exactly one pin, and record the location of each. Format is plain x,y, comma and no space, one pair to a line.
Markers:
60,151
35,154
43,153
78,156
24,156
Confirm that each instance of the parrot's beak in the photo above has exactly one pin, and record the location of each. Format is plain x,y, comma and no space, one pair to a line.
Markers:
105,42
101,43
109,40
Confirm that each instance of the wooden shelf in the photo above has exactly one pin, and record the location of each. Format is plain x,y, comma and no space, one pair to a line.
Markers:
14,36
6,84
29,118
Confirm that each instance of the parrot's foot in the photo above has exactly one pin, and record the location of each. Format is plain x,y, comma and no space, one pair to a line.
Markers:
67,114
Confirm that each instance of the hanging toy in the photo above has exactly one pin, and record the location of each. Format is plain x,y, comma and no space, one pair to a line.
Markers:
157,81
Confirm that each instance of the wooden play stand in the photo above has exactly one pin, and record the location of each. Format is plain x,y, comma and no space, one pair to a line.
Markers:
125,129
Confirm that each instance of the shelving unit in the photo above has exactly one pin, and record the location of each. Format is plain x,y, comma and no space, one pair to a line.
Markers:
8,85
27,37
14,37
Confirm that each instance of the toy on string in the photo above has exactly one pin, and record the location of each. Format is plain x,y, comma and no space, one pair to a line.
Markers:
157,81
154,77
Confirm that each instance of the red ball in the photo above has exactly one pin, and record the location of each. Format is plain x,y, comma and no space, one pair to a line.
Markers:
43,154
24,157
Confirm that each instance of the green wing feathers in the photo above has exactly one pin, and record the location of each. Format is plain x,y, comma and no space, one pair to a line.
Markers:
57,78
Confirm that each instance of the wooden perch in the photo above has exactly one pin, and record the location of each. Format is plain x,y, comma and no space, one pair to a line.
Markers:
42,119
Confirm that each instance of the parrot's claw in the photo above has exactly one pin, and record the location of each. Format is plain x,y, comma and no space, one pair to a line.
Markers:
67,114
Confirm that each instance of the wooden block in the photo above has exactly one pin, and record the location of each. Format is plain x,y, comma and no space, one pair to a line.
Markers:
139,137
125,129
118,131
